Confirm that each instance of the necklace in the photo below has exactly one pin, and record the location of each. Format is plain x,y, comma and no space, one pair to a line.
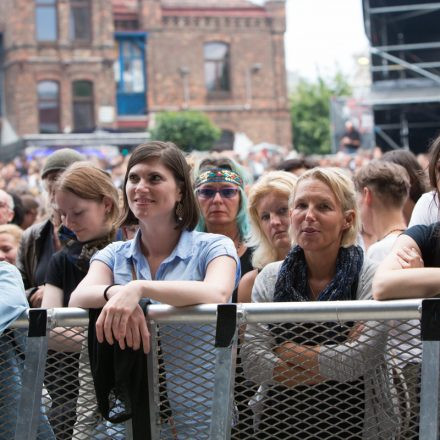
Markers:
393,230
312,291
237,241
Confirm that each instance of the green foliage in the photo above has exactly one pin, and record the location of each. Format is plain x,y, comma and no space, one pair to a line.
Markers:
189,130
310,112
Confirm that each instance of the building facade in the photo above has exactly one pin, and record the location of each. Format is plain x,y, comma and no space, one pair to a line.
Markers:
74,66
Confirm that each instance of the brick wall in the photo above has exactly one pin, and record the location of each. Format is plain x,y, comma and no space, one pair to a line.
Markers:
176,33
27,62
255,36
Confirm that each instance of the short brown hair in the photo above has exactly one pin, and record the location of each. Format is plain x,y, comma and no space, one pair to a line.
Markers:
388,180
417,177
172,158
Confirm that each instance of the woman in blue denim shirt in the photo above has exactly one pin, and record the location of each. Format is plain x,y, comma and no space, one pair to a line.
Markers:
172,263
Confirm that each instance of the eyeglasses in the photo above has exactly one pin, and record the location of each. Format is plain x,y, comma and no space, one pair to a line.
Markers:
209,193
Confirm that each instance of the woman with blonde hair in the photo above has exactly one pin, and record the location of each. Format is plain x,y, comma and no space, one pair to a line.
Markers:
325,380
268,208
10,237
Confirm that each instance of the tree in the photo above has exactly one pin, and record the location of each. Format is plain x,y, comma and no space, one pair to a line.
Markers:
189,130
310,112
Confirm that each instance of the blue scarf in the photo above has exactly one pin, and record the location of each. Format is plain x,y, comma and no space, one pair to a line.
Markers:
292,282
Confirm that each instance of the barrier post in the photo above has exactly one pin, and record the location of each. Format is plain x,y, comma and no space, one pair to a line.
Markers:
430,388
226,348
29,407
153,383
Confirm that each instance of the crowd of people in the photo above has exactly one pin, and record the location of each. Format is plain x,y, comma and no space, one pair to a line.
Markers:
159,227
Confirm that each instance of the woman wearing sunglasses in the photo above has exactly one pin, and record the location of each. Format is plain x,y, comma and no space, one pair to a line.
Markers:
219,187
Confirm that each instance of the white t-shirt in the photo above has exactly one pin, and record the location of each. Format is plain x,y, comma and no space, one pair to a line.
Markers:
404,343
379,250
426,210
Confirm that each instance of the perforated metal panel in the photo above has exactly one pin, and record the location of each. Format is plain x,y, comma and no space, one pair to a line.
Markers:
321,379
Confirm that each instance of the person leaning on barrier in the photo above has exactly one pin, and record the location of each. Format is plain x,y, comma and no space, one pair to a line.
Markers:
269,215
87,202
413,267
12,344
167,262
41,240
382,189
325,380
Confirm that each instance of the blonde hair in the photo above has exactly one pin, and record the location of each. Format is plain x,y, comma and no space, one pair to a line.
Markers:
342,187
278,182
13,230
89,182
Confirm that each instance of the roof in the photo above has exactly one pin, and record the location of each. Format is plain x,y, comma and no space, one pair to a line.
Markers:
125,6
208,4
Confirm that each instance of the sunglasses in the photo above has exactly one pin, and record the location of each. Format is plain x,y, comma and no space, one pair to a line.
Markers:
209,193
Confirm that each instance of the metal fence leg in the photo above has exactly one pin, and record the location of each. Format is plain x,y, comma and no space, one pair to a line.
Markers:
29,407
153,384
430,388
226,349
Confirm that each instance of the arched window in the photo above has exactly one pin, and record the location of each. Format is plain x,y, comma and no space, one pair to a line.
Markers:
83,106
217,67
48,106
46,20
79,23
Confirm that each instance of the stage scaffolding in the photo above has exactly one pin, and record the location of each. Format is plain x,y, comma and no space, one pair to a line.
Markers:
405,66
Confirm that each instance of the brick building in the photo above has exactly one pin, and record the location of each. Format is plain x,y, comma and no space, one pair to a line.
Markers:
71,66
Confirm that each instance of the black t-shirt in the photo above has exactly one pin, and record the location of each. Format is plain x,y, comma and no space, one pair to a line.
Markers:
245,266
427,238
63,273
354,136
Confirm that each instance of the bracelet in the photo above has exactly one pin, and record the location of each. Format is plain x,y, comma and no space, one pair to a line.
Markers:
107,289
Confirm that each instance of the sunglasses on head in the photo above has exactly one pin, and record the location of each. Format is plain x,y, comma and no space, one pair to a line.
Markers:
209,193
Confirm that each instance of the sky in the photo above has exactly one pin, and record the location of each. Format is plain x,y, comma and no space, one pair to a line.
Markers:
322,35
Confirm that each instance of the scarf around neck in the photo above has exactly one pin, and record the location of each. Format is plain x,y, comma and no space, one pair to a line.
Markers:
292,282
80,253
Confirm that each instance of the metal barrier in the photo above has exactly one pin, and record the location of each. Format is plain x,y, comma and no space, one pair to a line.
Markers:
330,370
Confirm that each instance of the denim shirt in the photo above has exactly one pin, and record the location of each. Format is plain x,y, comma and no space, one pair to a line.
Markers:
188,261
187,350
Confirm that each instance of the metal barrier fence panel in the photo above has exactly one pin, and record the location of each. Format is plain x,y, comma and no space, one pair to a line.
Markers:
301,375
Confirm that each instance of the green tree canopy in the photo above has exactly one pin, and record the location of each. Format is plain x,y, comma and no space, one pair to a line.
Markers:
189,130
310,112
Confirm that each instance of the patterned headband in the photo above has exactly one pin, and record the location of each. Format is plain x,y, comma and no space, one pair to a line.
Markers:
219,175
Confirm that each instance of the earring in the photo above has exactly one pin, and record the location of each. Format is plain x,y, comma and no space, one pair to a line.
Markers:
179,211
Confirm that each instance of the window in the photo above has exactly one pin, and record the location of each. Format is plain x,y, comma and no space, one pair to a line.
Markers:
130,74
83,108
79,23
48,106
217,67
46,20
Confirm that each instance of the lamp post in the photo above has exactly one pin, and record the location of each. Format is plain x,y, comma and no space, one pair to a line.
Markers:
184,73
